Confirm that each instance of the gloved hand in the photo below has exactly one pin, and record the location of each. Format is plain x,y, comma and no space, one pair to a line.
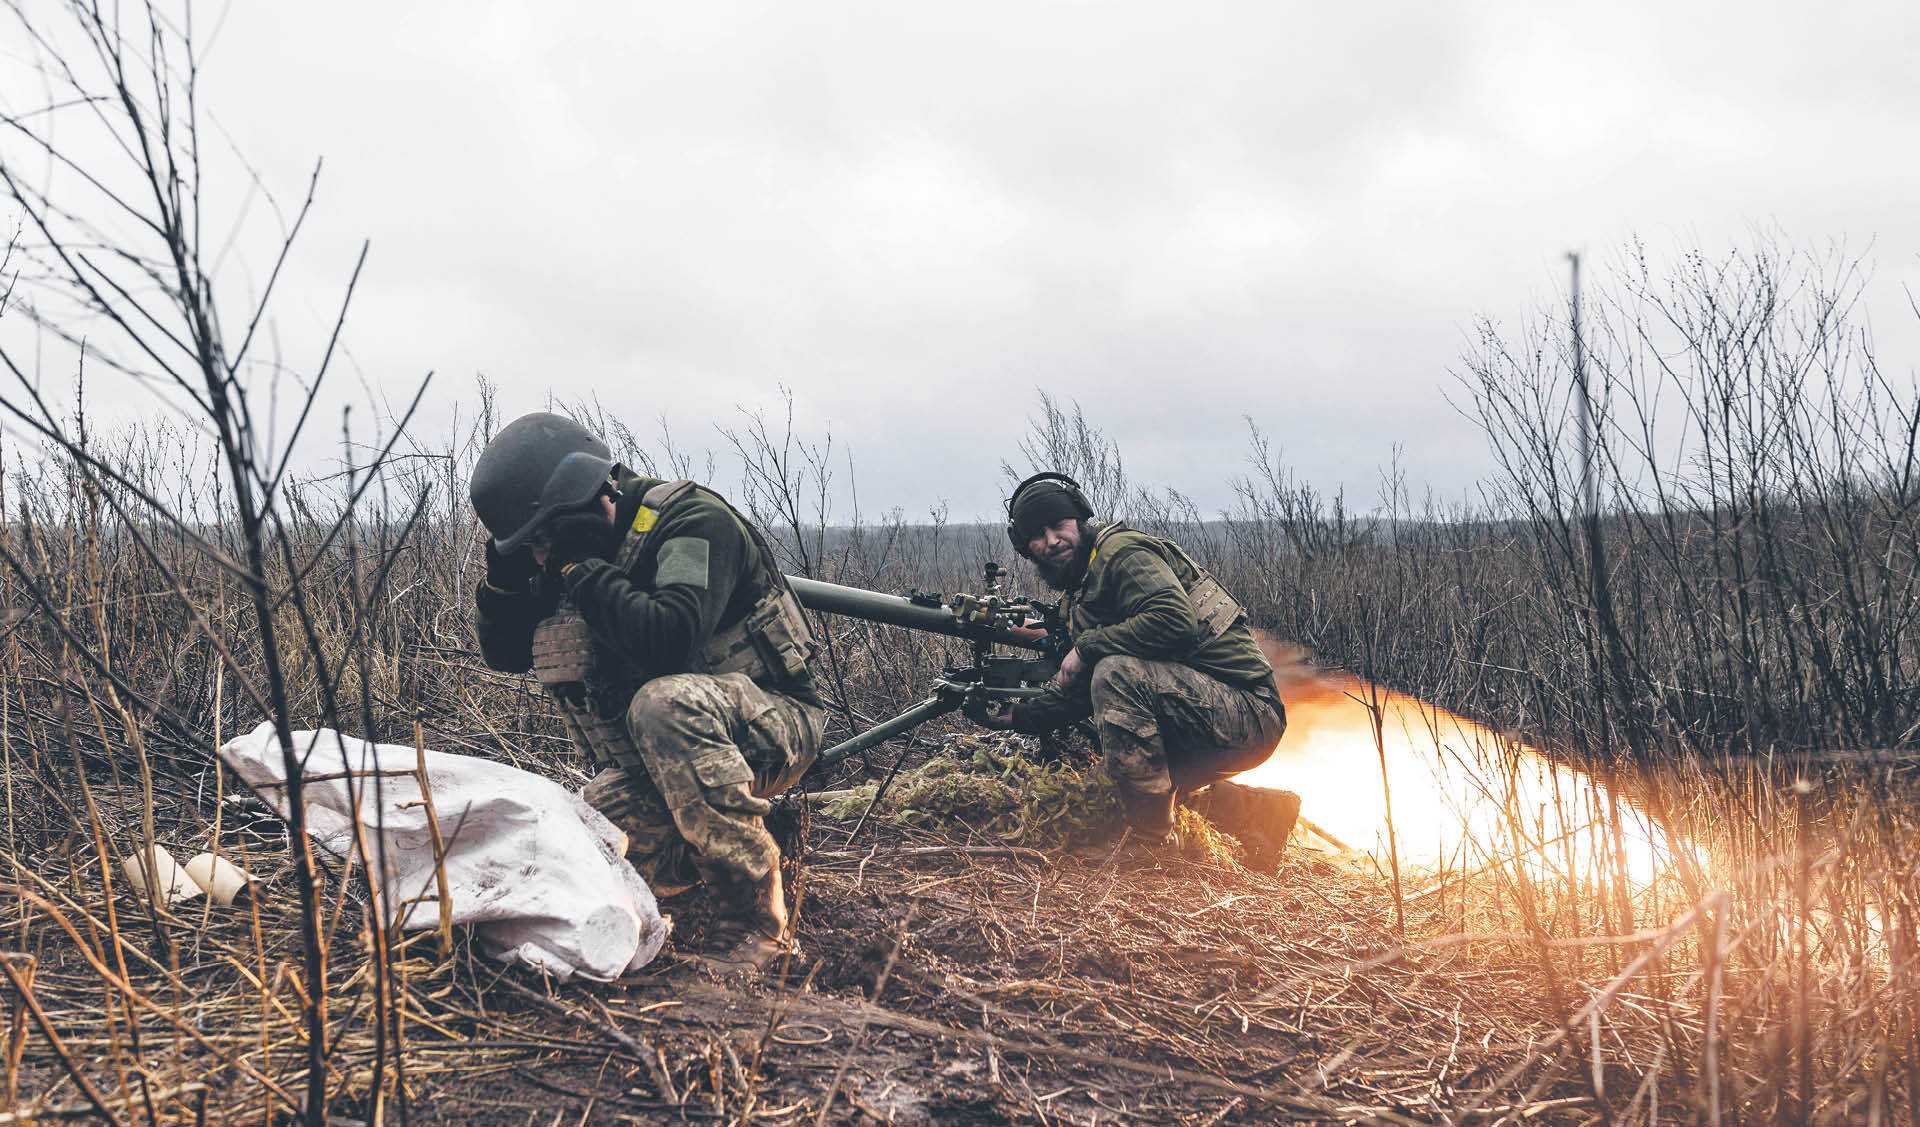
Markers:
573,537
985,713
511,571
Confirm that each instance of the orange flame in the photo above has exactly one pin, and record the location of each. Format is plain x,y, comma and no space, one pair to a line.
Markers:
1464,797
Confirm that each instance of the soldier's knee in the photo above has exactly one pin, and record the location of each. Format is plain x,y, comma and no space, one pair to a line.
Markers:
1116,675
624,795
606,790
665,699
1120,710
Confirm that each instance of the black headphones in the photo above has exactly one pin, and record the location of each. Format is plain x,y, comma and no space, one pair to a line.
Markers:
1059,481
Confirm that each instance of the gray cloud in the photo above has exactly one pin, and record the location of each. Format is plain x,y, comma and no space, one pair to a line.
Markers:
913,215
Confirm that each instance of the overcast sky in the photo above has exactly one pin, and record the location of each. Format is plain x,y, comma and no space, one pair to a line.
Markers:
915,215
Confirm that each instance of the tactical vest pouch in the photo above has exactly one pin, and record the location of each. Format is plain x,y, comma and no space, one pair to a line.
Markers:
563,654
562,657
1213,608
607,740
604,739
772,644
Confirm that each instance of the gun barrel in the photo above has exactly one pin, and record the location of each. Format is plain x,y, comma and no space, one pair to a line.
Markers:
894,610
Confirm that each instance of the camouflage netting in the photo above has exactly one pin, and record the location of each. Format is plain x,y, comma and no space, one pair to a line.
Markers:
988,784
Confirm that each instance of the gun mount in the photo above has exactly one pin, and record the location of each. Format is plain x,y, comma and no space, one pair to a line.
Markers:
986,620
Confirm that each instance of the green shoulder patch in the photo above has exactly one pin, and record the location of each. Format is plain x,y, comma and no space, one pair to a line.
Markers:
682,563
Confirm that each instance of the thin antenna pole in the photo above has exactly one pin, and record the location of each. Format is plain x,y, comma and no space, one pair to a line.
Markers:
1589,487
1614,674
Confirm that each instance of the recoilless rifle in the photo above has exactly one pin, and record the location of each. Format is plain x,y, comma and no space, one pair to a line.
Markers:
987,620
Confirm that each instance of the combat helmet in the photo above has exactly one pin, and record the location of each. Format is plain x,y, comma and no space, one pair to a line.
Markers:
538,466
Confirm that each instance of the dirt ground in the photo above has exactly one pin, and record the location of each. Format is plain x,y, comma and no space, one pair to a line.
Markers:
947,982
942,979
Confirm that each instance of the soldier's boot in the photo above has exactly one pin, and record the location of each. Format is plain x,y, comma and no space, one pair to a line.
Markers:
1261,817
750,931
1150,814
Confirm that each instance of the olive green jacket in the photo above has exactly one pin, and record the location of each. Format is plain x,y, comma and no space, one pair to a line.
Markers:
1133,601
699,572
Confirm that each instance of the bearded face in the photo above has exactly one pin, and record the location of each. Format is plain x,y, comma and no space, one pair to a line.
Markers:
1061,551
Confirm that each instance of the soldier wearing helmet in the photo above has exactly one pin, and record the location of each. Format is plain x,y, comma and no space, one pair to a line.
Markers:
1163,662
658,619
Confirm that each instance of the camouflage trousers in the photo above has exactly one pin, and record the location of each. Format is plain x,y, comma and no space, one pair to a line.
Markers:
1167,729
714,748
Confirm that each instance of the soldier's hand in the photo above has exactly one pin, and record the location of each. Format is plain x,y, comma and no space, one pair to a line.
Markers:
573,537
509,571
1072,668
986,713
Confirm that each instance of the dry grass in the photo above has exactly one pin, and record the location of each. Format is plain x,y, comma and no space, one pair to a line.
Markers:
1728,642
1024,984
1792,943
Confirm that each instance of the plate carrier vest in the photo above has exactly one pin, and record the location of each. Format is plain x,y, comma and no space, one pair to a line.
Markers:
771,643
1216,611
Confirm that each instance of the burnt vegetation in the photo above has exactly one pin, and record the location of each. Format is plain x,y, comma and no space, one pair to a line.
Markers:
1728,644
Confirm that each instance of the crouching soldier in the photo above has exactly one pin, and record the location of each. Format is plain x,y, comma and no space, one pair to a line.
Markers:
1163,662
659,620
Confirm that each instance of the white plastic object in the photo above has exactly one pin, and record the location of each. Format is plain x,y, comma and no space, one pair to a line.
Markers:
221,879
539,875
168,885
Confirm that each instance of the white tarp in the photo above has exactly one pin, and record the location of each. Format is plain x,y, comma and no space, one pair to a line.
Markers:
542,876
